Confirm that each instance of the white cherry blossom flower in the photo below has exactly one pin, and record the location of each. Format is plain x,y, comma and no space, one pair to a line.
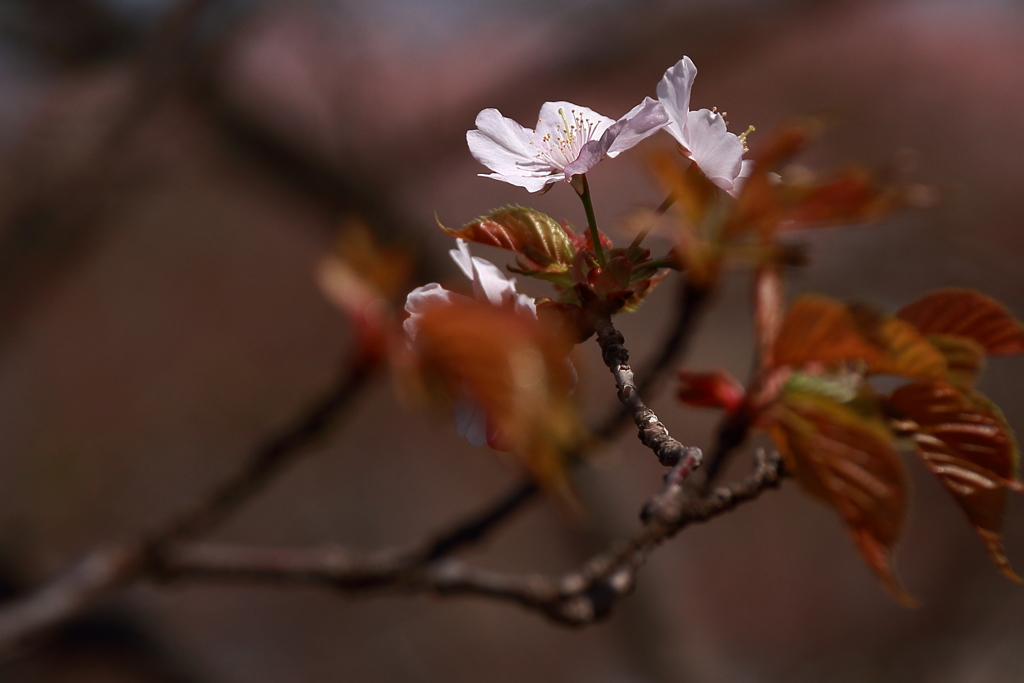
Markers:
569,140
702,134
489,284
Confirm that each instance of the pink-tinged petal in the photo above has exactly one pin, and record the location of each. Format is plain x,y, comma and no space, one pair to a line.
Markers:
463,257
532,183
717,152
524,305
422,298
746,170
499,143
506,148
674,93
592,152
643,120
489,283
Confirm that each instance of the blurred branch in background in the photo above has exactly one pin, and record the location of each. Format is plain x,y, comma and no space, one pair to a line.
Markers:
54,215
578,598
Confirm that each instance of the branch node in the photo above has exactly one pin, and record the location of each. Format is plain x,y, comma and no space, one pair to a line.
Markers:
572,584
577,611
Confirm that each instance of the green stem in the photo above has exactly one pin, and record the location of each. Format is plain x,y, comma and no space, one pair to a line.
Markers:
660,211
658,264
584,191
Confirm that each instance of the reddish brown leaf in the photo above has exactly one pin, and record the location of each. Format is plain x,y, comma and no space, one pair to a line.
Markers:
690,195
515,367
716,389
966,313
641,288
821,330
907,352
581,241
769,306
969,448
847,460
689,188
856,195
759,208
786,142
965,358
535,235
361,278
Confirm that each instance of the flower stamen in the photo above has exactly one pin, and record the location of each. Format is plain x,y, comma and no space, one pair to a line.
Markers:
743,137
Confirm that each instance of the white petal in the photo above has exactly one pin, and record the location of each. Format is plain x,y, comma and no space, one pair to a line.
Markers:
532,183
717,152
525,305
643,120
746,170
490,284
422,298
462,257
674,94
499,143
504,146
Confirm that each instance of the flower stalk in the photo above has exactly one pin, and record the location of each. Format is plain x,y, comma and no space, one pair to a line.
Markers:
582,188
660,211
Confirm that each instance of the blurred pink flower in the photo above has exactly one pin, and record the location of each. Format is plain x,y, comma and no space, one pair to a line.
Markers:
489,284
569,140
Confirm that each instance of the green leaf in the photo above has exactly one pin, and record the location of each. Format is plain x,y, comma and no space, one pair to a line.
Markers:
556,277
840,387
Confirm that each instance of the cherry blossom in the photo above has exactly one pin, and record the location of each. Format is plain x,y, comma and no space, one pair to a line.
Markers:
569,140
702,134
489,284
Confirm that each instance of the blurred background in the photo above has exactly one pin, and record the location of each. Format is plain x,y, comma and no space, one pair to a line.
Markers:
172,170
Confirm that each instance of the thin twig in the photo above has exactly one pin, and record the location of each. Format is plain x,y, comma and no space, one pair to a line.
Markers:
652,433
731,434
105,570
692,300
84,584
577,598
279,450
475,527
58,216
95,575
